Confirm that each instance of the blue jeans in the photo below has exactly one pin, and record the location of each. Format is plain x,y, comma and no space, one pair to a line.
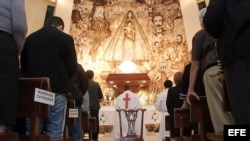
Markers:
76,131
54,124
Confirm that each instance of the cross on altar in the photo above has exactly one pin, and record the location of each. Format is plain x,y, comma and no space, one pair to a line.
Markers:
126,99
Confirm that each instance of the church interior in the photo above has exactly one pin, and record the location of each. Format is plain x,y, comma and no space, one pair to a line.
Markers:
105,43
140,42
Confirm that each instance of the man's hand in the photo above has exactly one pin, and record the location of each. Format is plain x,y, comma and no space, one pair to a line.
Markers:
190,94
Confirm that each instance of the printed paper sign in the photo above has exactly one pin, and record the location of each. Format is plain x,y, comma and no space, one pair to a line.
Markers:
44,96
73,113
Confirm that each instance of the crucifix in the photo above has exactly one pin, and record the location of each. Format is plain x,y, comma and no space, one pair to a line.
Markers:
126,99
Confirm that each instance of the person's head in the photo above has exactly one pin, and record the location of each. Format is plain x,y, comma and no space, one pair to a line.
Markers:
55,22
130,14
168,84
173,10
150,10
179,39
157,44
178,78
129,23
202,13
126,87
158,20
90,74
76,16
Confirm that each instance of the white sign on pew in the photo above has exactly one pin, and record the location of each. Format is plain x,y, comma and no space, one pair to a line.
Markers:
73,113
44,96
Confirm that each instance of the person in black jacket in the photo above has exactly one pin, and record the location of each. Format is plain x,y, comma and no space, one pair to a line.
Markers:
95,97
223,22
80,83
173,101
49,52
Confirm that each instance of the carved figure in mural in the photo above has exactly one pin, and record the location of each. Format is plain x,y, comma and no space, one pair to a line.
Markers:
100,28
99,23
158,20
129,41
180,49
150,11
162,67
78,26
172,15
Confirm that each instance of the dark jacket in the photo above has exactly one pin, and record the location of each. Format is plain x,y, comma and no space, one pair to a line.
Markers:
95,94
172,102
228,21
79,85
49,52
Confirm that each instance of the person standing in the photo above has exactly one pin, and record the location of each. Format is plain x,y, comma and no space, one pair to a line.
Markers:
95,97
204,51
49,52
13,30
232,32
199,86
199,89
127,100
173,101
160,105
80,83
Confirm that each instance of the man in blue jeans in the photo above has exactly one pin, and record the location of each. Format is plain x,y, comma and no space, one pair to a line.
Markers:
80,83
49,52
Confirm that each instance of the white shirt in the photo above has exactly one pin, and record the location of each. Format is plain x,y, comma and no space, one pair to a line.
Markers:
161,106
127,100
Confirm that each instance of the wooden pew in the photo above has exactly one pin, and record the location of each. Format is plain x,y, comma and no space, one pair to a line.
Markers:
69,121
182,121
28,108
8,136
199,113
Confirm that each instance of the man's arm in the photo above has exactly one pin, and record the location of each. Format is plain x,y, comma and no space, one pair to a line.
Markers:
84,82
192,79
100,94
71,60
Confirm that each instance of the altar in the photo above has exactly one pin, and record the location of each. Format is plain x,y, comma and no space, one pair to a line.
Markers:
107,114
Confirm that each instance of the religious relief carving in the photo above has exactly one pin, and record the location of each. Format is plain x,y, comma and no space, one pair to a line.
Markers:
148,33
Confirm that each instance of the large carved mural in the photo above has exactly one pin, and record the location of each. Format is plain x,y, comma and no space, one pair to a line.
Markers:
149,33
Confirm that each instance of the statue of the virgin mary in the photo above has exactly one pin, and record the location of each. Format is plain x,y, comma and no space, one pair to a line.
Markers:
128,42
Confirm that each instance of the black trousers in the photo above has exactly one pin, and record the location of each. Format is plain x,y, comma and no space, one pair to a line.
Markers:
237,80
95,113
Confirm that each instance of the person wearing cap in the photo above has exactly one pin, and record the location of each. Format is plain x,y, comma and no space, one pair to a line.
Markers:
204,51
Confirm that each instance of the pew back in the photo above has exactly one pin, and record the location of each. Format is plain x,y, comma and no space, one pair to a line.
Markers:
28,108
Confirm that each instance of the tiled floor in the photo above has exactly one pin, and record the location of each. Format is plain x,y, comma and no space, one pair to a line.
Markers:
151,136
